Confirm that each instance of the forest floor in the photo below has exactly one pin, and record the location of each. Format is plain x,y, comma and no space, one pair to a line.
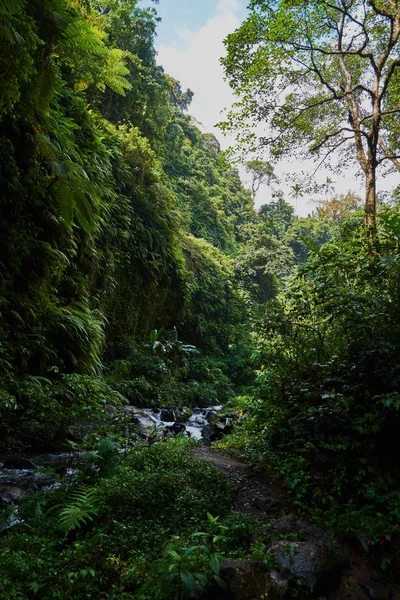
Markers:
261,496
251,493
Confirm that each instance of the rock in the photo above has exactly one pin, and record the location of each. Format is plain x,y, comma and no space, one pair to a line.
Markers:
112,413
167,414
176,428
10,493
252,580
292,524
202,402
75,434
183,414
146,423
315,565
211,415
212,433
18,462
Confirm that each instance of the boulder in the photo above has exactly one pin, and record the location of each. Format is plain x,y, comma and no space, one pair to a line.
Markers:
314,565
167,414
18,462
146,423
316,559
211,415
292,524
10,493
252,580
183,414
212,432
176,428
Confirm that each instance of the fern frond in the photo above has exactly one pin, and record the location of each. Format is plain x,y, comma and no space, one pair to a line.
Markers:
11,6
85,37
82,509
114,71
8,33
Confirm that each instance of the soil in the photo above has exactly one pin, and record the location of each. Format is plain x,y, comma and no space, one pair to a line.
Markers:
265,499
251,493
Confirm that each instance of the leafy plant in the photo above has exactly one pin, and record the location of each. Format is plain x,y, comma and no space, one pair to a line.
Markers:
81,509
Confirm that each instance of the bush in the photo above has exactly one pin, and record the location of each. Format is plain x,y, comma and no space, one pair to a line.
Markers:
154,495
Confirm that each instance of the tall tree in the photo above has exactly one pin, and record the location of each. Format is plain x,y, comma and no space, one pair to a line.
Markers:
296,191
328,187
322,75
261,172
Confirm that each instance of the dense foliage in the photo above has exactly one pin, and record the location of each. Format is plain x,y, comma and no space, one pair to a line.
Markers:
134,269
327,409
115,208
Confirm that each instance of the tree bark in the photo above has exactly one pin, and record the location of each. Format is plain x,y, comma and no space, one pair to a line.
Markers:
370,200
370,210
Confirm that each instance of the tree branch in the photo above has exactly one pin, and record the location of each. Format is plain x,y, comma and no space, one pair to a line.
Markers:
388,154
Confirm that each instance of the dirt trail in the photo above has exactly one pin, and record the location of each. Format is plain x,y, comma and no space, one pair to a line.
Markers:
252,494
260,496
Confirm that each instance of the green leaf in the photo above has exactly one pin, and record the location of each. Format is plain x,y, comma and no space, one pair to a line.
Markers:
220,582
214,563
188,580
174,555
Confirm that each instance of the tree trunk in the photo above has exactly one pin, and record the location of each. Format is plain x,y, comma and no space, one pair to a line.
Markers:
370,208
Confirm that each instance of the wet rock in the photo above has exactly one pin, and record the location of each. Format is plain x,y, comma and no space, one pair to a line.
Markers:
10,494
211,415
250,580
176,428
18,462
167,414
146,423
183,414
212,432
315,565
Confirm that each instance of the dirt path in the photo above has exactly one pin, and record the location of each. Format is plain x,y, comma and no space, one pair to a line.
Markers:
252,494
260,496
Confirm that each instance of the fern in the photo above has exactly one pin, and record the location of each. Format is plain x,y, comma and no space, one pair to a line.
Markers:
114,71
8,33
80,511
82,36
11,6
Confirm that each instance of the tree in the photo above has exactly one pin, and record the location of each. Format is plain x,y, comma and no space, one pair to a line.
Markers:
324,75
328,187
296,191
261,172
338,208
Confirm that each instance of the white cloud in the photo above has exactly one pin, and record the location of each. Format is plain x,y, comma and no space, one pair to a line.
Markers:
224,6
198,67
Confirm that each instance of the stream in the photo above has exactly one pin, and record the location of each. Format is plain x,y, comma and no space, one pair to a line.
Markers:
23,471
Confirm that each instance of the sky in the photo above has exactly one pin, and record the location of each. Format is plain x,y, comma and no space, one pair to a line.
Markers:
190,44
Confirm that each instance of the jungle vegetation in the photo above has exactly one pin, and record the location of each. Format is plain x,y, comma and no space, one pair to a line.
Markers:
135,269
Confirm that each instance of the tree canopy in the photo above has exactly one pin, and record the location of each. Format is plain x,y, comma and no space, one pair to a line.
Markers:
323,77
